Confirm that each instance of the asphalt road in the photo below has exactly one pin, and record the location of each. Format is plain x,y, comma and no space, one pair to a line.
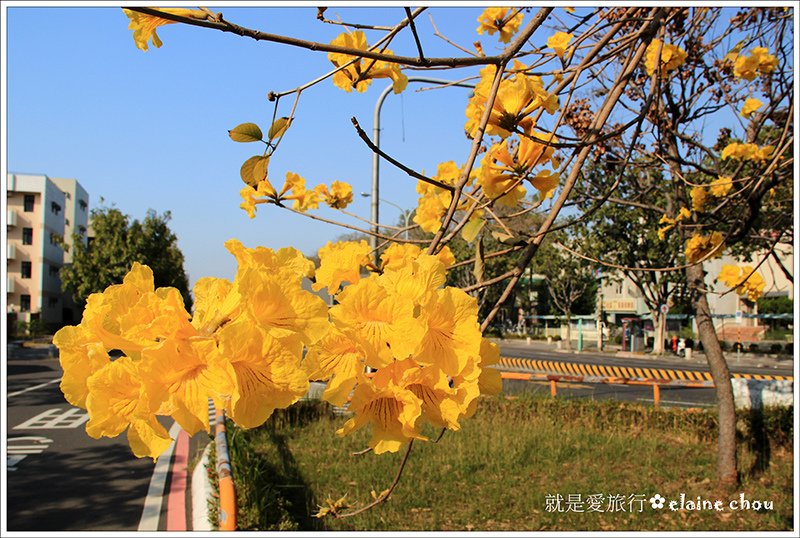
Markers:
670,396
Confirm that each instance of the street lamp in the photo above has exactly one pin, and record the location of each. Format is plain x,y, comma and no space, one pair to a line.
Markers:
405,214
376,139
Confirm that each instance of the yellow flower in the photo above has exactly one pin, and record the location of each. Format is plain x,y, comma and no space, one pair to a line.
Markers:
132,315
672,57
382,323
265,258
80,357
337,358
275,301
267,372
340,195
452,333
360,73
432,387
759,62
414,279
558,42
747,152
546,182
500,19
181,375
249,201
144,26
699,198
720,186
341,262
118,401
215,300
429,213
743,281
398,254
750,106
391,410
701,247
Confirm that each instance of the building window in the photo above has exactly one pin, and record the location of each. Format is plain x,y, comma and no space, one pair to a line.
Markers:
26,270
28,203
52,302
55,208
27,236
83,205
25,303
53,271
66,222
68,195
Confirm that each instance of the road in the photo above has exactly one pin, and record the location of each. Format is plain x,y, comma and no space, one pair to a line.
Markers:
59,478
671,396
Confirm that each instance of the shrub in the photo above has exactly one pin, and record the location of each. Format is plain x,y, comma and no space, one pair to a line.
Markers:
753,348
775,348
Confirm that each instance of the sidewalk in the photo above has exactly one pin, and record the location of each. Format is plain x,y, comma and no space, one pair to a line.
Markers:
769,362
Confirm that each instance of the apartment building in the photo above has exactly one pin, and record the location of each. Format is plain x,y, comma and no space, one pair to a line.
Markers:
42,212
622,299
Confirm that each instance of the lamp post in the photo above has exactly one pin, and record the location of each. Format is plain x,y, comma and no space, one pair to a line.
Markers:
376,139
405,214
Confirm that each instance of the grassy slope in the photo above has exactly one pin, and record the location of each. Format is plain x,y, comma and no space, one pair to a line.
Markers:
496,473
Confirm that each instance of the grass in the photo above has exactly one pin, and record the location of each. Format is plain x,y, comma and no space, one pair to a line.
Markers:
498,472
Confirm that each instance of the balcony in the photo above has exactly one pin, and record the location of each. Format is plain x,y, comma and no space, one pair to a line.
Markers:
10,284
11,252
11,218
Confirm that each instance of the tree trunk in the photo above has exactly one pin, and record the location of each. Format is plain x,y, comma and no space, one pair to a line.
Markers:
659,322
727,476
568,340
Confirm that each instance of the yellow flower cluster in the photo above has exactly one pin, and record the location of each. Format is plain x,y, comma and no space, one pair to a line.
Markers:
422,338
700,247
745,283
518,96
750,106
672,57
747,152
504,20
670,223
339,196
434,201
760,62
242,348
716,189
361,71
502,172
558,42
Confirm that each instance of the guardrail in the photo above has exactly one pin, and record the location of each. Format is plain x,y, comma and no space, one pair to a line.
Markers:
654,382
227,490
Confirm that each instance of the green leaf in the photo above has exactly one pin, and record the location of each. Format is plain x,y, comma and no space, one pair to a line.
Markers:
470,231
478,270
260,169
247,170
246,132
278,127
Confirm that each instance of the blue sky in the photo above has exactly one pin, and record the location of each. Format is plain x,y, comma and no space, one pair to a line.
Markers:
149,129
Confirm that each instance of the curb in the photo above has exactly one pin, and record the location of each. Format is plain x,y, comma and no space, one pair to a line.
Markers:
201,493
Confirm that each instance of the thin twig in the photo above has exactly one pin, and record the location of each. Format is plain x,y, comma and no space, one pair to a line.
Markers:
416,37
388,492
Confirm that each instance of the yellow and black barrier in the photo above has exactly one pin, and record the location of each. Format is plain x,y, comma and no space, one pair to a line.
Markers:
626,372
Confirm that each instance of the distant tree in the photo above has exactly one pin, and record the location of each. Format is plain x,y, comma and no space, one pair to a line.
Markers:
569,278
117,243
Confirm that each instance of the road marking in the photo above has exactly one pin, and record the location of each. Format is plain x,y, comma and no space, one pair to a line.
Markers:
15,453
55,419
152,503
17,393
